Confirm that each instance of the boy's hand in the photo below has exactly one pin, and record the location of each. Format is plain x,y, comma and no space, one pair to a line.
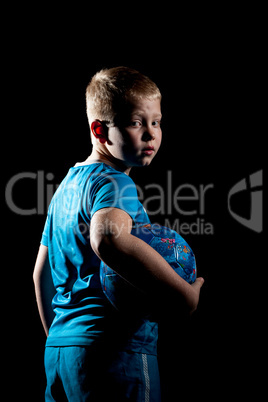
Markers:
197,285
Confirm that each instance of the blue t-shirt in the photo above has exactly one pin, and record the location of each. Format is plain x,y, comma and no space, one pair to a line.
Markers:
83,314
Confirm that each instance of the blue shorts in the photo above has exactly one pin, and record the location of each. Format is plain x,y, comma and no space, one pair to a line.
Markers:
78,374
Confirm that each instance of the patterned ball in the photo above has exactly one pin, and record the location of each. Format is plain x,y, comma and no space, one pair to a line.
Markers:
172,247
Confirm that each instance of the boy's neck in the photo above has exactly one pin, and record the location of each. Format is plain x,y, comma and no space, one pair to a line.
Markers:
98,156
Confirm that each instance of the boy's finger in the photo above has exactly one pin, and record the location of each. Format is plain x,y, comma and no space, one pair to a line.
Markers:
199,282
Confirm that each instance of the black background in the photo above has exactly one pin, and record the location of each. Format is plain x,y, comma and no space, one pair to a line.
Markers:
210,73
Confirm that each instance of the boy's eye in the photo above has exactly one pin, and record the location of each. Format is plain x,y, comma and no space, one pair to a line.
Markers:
138,123
135,123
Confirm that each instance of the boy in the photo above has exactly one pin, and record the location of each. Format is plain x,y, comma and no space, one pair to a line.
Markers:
93,352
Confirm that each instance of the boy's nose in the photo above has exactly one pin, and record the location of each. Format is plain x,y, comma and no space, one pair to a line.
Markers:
148,134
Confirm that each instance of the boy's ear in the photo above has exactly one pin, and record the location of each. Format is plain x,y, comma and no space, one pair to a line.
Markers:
99,131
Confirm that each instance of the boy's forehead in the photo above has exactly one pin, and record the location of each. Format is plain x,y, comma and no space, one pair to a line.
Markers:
144,105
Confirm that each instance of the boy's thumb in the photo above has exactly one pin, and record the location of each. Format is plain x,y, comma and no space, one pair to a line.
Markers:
200,280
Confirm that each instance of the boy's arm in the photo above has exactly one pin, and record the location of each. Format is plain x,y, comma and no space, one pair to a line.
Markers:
136,261
44,288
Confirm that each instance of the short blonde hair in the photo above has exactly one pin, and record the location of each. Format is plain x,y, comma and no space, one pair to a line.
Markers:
110,89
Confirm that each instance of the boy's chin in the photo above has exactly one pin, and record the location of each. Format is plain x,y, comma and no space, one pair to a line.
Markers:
145,161
140,162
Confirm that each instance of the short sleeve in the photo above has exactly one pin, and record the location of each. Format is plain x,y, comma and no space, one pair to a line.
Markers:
114,191
44,239
45,234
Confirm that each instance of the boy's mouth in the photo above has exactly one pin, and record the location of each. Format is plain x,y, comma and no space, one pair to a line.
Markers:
148,150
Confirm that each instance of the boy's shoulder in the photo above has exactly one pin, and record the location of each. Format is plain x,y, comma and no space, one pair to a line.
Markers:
98,168
99,176
94,177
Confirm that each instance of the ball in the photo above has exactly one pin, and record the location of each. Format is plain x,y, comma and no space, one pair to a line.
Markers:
170,245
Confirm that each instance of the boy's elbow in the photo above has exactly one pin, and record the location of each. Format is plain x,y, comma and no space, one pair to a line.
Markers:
35,276
107,246
100,246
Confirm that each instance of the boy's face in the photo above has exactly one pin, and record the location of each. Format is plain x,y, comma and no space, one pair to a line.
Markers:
136,136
